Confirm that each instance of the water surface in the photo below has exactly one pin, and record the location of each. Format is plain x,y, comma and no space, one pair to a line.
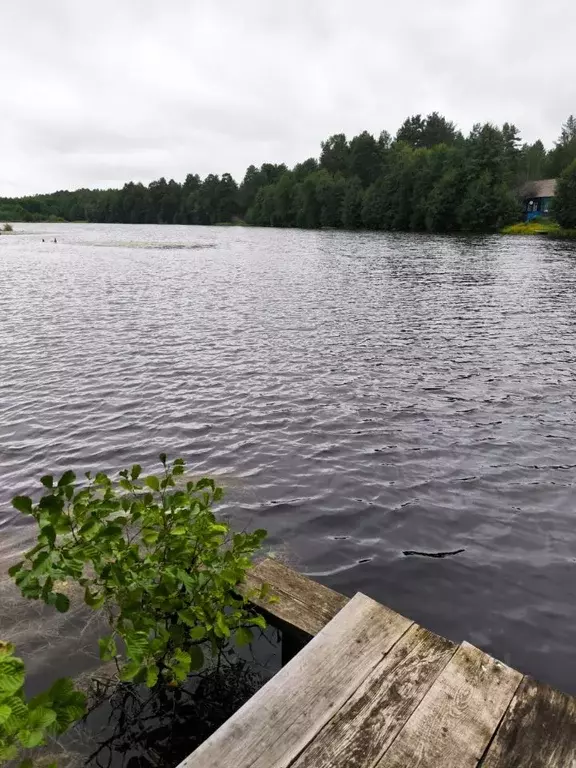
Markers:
358,394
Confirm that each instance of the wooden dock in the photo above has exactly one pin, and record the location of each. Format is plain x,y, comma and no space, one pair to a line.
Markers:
374,689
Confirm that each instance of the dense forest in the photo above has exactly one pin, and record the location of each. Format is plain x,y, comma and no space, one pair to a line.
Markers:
428,177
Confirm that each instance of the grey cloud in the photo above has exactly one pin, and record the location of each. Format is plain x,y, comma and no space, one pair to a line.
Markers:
99,94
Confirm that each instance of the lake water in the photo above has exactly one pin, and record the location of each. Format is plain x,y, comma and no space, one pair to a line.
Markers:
358,394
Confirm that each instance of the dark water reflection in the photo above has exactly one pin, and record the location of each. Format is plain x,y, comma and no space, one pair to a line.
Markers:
359,394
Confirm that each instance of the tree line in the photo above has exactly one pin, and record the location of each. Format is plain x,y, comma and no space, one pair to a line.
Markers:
428,177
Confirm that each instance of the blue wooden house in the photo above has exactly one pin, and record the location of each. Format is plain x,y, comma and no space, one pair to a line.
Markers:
537,198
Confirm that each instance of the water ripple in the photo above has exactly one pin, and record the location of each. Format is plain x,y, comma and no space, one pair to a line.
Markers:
358,395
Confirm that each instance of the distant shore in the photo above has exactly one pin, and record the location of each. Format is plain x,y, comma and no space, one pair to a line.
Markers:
544,227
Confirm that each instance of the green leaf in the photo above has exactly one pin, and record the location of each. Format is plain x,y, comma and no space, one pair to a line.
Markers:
151,675
150,536
221,627
125,484
18,707
31,739
152,482
49,533
94,600
188,616
198,633
11,675
8,753
219,528
135,471
196,657
182,657
162,458
15,569
111,531
178,467
41,718
244,636
90,526
40,563
5,713
62,689
51,503
67,478
47,481
129,671
107,647
258,621
22,504
183,662
62,602
136,645
74,710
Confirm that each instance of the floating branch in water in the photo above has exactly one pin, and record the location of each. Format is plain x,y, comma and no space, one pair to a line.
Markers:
409,552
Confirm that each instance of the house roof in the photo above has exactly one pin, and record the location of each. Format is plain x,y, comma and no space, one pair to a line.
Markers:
539,188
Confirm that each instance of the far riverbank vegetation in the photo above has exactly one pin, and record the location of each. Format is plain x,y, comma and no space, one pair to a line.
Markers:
429,177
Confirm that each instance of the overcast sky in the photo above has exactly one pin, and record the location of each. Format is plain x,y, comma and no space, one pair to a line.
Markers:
99,93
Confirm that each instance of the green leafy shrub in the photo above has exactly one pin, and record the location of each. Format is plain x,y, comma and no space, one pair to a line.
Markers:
8,228
25,724
153,556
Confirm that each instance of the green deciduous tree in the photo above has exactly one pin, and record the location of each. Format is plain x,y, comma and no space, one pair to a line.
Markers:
411,131
443,201
437,130
487,204
365,158
352,204
533,161
335,154
565,200
564,152
405,182
330,196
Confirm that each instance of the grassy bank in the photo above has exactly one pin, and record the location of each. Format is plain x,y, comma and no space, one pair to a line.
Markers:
236,222
537,227
543,227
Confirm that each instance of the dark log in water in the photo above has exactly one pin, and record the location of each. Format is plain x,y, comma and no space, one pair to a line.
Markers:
409,552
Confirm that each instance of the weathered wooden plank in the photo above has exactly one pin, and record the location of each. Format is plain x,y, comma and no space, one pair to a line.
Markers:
303,603
371,719
277,723
538,730
456,719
